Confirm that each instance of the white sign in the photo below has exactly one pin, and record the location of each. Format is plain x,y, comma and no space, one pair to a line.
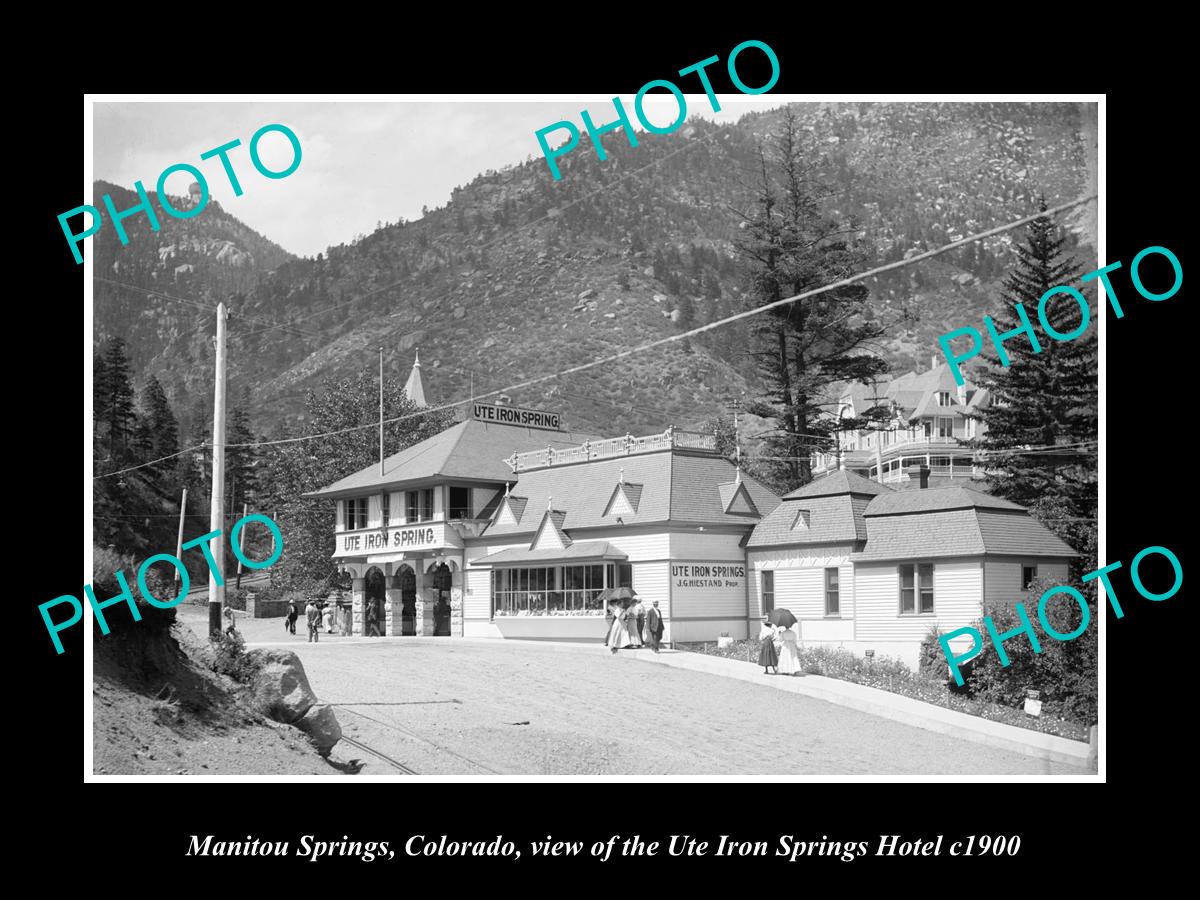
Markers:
513,415
411,537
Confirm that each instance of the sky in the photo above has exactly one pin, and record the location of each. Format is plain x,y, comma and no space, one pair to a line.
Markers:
362,162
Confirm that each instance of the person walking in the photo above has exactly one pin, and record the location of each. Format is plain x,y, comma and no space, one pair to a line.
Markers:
789,653
289,624
768,656
654,626
373,618
618,634
640,612
631,626
313,616
327,616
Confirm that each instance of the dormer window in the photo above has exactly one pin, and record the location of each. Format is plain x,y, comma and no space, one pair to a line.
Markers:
943,398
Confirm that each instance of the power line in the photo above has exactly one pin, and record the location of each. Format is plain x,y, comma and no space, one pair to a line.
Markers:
745,314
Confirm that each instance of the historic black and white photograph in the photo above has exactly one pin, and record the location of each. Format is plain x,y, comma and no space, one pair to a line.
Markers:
507,437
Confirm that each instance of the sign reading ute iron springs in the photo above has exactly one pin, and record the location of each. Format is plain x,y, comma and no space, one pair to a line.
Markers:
704,575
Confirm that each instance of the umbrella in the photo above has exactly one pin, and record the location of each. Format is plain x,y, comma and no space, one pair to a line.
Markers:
617,593
782,617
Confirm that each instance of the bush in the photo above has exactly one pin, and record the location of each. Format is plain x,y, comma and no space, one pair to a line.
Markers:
106,562
230,658
1064,672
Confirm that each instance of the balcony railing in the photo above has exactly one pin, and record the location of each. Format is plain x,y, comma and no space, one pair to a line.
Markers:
671,439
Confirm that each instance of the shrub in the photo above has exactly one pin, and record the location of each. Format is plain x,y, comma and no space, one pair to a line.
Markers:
230,657
1064,672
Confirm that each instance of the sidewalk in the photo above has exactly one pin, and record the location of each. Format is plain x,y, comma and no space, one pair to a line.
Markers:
889,706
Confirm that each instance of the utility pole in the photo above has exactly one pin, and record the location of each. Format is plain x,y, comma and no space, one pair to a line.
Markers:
216,519
737,438
242,545
179,540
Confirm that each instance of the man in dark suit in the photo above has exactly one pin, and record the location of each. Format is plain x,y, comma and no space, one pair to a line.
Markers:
654,626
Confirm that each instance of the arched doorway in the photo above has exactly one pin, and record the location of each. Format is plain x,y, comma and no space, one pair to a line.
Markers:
442,581
408,600
374,592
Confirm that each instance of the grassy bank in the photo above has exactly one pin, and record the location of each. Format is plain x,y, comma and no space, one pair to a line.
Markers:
892,675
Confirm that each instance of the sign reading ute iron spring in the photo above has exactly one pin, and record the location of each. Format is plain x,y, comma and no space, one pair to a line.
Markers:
399,539
513,415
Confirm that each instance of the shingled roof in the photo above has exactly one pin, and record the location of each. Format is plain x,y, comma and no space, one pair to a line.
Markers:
839,482
471,451
953,521
677,487
835,505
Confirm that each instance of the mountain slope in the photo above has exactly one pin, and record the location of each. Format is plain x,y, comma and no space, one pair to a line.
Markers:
520,276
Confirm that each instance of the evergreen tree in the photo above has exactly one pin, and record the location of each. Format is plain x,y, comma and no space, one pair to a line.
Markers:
240,461
802,348
113,408
1044,399
161,428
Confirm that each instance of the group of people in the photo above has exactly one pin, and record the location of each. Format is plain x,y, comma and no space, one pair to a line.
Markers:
633,626
318,615
779,650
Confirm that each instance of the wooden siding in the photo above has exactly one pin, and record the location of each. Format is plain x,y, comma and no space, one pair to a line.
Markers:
957,595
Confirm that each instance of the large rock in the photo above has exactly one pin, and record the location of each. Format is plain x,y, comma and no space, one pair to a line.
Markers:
322,728
279,689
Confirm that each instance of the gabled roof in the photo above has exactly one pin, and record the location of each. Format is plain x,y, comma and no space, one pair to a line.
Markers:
471,450
550,534
675,486
839,482
736,500
624,500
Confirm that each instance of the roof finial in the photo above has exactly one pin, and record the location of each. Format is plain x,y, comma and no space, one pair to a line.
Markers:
506,489
550,503
622,471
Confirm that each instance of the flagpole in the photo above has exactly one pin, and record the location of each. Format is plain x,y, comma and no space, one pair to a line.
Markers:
380,410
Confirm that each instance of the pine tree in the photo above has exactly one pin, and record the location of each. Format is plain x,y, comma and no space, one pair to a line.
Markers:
240,461
1044,399
802,348
114,398
160,424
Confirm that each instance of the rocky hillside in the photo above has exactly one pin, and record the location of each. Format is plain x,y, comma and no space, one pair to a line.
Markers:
519,275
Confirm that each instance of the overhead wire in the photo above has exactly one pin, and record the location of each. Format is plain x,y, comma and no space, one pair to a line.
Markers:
614,357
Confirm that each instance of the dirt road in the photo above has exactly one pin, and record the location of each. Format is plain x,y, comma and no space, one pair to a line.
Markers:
476,708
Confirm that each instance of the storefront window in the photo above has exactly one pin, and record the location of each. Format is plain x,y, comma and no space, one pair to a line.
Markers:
548,591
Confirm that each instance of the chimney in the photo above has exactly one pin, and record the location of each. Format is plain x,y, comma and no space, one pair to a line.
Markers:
920,475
